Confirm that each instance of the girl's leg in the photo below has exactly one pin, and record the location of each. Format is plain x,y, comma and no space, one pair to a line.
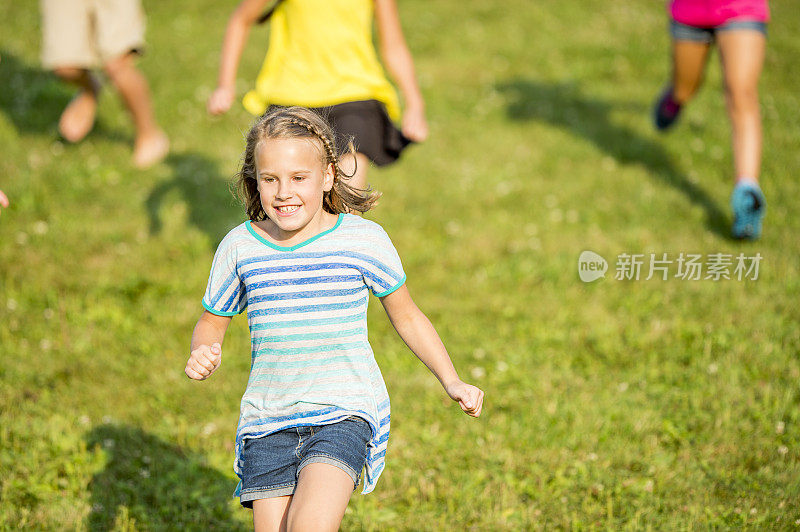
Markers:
742,54
151,143
688,64
321,497
269,515
78,117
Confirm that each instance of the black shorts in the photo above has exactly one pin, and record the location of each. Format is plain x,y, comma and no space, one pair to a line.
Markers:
368,125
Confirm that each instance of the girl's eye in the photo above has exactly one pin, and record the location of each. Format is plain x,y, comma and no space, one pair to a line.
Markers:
299,177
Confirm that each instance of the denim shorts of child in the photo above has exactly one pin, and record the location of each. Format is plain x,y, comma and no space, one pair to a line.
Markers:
684,32
271,464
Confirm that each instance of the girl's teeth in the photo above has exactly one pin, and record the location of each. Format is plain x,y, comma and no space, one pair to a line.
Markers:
287,210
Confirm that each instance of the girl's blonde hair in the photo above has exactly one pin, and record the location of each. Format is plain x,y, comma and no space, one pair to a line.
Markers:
299,123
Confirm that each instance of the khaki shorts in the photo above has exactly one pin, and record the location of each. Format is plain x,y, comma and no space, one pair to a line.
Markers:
88,33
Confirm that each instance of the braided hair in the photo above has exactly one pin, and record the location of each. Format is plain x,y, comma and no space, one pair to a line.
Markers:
295,123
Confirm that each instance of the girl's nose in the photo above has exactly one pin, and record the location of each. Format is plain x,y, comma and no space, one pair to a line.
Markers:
284,189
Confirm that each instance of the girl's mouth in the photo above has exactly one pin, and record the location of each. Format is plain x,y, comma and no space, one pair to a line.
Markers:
286,210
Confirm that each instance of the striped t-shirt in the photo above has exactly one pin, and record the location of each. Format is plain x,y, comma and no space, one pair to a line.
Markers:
307,311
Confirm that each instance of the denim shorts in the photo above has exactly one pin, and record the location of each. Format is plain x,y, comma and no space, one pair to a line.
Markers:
271,464
684,32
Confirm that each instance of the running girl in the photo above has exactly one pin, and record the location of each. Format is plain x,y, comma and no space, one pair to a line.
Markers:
321,55
739,27
315,410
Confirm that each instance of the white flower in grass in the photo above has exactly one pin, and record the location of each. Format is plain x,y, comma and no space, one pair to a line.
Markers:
109,443
713,368
144,473
479,353
622,387
572,216
780,426
783,450
45,344
452,228
209,428
40,227
84,420
477,372
504,188
11,304
592,457
502,366
648,486
48,314
753,511
22,238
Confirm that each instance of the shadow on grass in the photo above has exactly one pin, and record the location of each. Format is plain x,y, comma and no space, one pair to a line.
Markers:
149,484
211,206
33,99
563,105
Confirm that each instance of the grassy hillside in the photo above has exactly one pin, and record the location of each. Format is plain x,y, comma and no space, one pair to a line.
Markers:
664,405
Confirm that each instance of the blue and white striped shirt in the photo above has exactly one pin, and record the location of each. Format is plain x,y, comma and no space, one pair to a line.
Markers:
307,311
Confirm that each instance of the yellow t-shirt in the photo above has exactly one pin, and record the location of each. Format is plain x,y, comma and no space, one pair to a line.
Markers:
321,53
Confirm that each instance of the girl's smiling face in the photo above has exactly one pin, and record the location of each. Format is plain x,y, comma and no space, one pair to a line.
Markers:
292,179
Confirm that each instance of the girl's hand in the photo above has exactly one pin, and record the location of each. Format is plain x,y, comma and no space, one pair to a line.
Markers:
220,100
415,127
469,397
203,361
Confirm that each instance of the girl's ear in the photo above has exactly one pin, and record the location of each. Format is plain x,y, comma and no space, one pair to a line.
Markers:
327,179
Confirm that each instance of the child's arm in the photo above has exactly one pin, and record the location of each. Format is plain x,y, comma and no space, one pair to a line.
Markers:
206,349
398,61
236,33
419,335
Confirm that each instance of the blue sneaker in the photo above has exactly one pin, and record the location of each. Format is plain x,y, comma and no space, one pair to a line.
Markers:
666,110
748,206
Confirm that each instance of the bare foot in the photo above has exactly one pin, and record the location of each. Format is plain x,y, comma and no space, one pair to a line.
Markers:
150,149
77,119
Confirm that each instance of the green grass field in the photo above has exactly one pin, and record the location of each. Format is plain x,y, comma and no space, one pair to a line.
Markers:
615,405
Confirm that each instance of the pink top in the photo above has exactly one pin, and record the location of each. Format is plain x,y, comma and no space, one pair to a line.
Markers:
710,13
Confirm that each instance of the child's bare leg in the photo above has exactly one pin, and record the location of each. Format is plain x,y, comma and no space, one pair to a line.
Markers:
348,164
321,497
77,119
688,64
151,143
742,54
269,515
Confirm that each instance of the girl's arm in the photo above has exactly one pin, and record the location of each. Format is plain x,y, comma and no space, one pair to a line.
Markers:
236,33
398,61
206,349
419,335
